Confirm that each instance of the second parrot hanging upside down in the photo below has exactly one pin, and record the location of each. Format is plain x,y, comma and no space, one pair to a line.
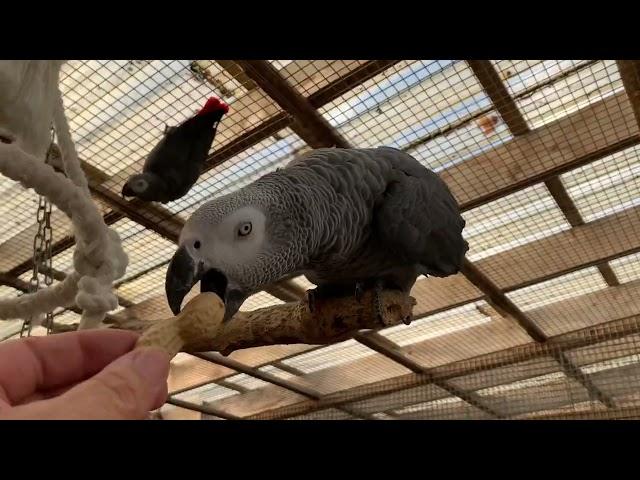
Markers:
347,219
176,162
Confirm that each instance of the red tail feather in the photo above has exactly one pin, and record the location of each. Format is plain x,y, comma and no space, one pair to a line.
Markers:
214,105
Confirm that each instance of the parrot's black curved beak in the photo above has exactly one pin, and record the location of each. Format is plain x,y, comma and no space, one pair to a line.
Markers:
184,272
127,191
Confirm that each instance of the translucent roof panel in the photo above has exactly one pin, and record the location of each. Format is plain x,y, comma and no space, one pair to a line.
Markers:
602,352
67,318
520,75
560,288
246,381
303,282
627,268
435,110
610,364
8,292
146,249
206,393
442,409
606,186
249,382
260,300
514,220
397,400
563,86
551,391
309,76
529,382
439,324
328,414
8,328
144,287
331,356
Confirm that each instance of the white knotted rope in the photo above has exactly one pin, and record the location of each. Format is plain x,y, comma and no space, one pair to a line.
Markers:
98,258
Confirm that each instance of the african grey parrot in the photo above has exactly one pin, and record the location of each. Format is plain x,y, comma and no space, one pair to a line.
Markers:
175,163
348,219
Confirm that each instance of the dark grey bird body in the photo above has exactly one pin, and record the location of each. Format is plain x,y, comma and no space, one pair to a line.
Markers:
341,217
389,218
174,165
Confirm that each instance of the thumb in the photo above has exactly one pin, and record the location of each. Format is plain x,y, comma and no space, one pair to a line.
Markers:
126,389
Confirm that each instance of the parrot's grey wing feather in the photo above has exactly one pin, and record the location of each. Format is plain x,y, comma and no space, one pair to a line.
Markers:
418,219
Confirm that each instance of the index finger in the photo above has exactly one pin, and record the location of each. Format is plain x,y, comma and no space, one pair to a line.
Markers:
41,363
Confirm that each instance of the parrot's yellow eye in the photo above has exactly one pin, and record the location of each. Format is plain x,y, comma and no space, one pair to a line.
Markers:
245,229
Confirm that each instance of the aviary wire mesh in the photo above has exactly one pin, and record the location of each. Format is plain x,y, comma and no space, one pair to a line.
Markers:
543,157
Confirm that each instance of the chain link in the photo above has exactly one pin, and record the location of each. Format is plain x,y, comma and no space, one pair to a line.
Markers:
42,255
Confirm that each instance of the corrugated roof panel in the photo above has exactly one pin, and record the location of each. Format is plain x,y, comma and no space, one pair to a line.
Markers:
517,219
439,324
627,268
330,356
560,288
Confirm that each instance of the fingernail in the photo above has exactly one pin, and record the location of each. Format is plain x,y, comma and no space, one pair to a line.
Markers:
151,364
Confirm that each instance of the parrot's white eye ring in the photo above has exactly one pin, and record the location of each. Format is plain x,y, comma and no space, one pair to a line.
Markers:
244,229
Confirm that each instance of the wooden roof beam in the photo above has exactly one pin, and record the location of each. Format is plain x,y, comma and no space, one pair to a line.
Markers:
496,90
505,104
611,312
613,330
510,310
264,376
499,301
392,351
257,373
570,211
308,123
630,75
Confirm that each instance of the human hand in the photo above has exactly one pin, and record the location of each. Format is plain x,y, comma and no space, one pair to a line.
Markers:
91,375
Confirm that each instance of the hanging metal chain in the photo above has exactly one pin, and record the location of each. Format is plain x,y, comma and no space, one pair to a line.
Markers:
42,257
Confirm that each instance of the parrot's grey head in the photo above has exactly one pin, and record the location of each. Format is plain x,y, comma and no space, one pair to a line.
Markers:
141,185
234,246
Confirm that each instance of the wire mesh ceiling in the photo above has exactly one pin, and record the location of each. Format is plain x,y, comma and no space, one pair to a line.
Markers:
543,157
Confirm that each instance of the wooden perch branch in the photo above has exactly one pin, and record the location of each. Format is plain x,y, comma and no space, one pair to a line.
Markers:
199,327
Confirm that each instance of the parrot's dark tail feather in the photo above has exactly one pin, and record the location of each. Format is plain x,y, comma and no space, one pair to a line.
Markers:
449,256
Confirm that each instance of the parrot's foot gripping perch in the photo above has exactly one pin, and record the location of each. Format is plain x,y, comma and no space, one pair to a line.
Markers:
323,294
199,327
